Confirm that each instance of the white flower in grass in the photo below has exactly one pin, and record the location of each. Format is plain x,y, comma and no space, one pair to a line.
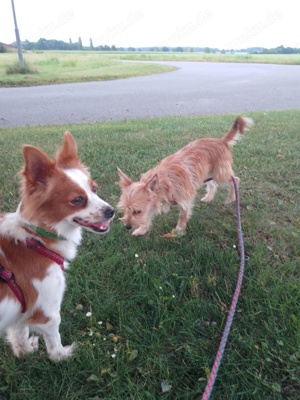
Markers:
136,256
88,314
100,322
113,355
165,387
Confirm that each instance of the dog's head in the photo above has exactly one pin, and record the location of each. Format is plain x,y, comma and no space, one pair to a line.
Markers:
60,194
139,202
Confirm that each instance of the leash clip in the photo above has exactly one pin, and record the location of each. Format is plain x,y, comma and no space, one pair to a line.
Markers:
32,243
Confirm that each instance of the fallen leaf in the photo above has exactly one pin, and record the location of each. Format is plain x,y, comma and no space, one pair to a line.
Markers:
104,371
169,235
174,234
109,326
207,372
132,355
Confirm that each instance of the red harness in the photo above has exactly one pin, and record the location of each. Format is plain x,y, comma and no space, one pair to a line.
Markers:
8,276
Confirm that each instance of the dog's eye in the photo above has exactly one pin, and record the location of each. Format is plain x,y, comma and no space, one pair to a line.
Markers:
136,212
94,188
78,201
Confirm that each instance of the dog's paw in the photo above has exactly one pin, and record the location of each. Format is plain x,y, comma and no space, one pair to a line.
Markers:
139,232
207,198
180,228
229,200
20,348
33,343
63,353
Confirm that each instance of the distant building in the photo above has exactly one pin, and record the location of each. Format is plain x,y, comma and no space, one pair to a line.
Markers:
8,47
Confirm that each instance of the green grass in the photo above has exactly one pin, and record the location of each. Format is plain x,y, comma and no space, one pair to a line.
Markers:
62,66
163,302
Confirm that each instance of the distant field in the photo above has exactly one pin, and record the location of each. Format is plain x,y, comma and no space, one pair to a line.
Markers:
49,67
293,59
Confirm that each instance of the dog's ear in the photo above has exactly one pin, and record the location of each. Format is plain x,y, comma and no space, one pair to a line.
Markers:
153,183
38,166
67,156
125,181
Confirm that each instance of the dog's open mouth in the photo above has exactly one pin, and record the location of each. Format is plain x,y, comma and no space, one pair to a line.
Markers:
100,227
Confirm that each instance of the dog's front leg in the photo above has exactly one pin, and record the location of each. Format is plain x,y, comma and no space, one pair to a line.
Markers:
21,343
55,349
183,218
142,230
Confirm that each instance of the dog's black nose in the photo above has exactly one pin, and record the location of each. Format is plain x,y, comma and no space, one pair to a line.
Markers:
109,212
128,226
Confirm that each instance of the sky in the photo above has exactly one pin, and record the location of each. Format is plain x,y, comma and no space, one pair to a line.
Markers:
231,24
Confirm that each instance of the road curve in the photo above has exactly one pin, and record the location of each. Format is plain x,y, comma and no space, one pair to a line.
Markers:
193,89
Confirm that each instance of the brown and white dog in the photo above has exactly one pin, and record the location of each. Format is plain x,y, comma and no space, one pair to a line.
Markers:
176,179
38,240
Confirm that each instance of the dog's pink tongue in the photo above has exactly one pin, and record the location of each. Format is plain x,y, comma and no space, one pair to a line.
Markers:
101,225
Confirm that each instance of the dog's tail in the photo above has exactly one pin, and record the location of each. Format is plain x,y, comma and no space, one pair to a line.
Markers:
239,126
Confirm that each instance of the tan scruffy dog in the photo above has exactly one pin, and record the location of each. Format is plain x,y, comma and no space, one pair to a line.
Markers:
176,179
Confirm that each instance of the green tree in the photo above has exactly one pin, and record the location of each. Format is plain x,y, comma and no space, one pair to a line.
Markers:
2,48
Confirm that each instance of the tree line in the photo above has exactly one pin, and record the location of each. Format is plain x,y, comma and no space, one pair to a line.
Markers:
281,50
52,44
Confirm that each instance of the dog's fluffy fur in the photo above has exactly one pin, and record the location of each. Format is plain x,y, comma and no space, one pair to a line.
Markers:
176,179
59,196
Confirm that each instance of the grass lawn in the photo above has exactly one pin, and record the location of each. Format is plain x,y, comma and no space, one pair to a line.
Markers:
51,67
158,306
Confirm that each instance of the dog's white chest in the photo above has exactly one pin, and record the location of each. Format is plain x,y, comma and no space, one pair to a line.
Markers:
50,290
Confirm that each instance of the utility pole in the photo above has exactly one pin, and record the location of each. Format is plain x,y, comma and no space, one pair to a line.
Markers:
21,61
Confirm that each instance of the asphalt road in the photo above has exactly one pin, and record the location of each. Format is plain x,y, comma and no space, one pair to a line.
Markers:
193,89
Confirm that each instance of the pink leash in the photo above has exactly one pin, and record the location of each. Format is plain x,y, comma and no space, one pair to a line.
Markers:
215,368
